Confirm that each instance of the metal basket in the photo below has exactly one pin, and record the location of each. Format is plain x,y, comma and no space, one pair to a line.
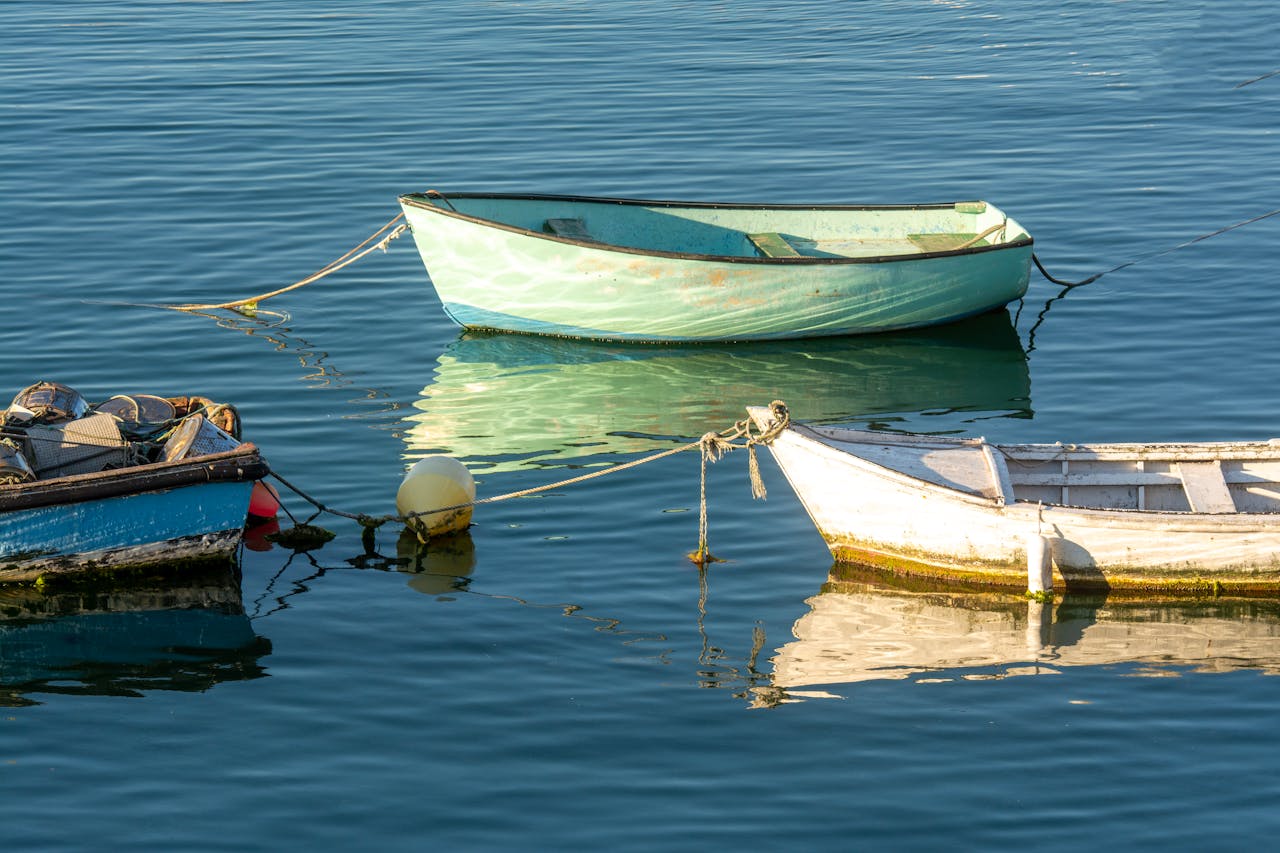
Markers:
81,446
196,436
138,408
45,403
14,467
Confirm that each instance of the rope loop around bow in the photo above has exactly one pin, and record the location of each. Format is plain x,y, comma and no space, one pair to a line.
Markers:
714,445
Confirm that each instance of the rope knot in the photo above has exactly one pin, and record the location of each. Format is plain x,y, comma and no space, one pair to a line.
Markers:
714,446
386,241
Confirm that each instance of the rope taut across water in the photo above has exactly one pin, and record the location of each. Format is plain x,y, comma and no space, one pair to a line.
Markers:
391,231
333,266
1070,284
713,445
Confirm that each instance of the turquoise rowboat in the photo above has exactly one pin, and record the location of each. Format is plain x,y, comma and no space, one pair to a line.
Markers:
628,269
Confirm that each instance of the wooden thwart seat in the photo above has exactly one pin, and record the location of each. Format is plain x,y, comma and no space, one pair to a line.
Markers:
572,229
943,242
773,245
1206,488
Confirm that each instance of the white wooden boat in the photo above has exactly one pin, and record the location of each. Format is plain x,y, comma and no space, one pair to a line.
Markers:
1180,517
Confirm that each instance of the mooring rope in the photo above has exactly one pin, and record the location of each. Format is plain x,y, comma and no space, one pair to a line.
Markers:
363,249
1182,245
333,266
713,445
1256,79
999,226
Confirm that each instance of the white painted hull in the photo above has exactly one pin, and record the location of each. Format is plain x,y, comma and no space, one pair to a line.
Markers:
874,514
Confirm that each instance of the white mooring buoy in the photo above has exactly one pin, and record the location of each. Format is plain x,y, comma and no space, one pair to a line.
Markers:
434,482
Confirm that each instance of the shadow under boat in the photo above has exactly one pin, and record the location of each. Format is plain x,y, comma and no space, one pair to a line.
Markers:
865,625
503,402
172,630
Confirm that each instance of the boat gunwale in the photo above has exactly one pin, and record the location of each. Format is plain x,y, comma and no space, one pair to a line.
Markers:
242,463
1173,451
884,472
419,201
1062,513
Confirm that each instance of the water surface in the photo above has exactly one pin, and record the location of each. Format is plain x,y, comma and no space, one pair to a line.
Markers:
564,676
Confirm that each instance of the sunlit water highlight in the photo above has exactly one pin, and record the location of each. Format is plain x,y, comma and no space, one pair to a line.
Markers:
565,676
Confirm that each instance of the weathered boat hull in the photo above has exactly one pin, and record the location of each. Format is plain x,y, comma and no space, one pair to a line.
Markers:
873,515
671,271
192,510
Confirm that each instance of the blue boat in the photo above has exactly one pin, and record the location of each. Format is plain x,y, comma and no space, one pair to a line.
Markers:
667,271
130,483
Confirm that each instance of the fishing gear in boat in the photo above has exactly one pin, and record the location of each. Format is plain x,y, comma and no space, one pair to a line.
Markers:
14,467
136,481
61,434
45,403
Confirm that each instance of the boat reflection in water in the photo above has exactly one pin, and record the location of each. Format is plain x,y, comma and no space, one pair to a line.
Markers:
503,401
180,632
865,626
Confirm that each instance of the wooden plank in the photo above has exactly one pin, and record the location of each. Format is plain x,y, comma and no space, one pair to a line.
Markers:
1130,478
573,229
999,474
942,242
1098,478
1253,451
773,245
1206,489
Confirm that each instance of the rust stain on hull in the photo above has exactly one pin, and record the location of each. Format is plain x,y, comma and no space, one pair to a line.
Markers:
1264,582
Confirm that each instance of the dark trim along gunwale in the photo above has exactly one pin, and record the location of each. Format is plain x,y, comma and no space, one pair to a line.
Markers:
422,202
237,465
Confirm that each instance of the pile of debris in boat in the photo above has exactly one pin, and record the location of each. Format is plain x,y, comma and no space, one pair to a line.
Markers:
50,430
134,480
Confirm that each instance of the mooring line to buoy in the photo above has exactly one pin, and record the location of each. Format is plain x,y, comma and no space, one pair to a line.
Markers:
1256,79
713,445
1068,286
1182,245
347,259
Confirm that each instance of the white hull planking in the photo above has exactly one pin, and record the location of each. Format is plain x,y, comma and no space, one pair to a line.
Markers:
871,514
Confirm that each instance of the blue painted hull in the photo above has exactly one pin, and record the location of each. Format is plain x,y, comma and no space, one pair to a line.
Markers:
132,517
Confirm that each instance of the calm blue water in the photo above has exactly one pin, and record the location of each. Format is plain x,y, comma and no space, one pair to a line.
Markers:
566,677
